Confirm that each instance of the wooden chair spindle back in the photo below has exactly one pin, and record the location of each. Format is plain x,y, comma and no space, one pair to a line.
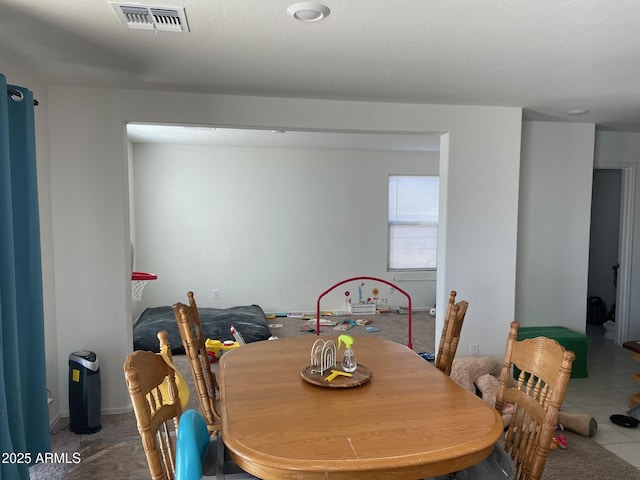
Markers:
545,369
195,349
451,330
154,394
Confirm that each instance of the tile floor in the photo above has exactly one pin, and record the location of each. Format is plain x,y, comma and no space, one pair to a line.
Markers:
605,392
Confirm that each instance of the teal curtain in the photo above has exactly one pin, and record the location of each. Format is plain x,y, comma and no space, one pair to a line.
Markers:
24,416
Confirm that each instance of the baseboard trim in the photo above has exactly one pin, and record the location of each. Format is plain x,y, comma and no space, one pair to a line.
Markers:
338,312
54,420
104,411
118,410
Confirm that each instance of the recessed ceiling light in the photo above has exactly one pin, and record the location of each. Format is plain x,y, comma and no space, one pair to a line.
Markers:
577,111
308,11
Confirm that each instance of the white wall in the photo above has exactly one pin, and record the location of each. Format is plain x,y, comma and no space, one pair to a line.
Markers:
88,156
271,226
553,237
622,150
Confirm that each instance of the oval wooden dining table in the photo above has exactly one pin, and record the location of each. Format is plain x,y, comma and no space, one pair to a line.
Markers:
409,421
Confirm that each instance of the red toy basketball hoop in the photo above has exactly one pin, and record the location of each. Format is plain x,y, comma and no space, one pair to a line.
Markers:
409,342
138,281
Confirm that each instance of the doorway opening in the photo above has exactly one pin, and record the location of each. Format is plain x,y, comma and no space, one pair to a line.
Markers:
273,185
610,246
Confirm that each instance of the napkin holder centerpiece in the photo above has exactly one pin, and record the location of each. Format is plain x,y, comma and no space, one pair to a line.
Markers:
323,356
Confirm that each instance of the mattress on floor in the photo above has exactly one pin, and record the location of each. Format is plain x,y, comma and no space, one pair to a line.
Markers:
249,320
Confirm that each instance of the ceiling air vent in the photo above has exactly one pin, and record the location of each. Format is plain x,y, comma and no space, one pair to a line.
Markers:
145,17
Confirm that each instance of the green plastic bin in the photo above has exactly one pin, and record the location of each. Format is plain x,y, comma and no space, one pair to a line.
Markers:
578,343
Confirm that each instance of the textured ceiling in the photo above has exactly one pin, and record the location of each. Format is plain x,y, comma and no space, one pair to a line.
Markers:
547,56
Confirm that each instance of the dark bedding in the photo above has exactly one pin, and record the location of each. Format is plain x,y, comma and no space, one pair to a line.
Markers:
249,320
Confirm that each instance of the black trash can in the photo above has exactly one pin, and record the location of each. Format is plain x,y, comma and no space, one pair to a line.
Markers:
85,392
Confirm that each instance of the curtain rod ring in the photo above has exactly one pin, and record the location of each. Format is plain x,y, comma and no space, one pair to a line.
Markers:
16,95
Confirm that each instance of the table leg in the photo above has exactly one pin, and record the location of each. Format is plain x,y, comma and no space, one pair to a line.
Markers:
634,398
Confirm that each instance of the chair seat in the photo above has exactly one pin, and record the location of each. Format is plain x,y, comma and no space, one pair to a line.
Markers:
497,466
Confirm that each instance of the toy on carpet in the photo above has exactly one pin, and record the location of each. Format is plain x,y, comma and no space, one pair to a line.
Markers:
480,374
559,441
215,348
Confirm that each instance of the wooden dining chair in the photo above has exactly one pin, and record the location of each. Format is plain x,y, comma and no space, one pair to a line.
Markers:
544,371
453,320
156,404
194,346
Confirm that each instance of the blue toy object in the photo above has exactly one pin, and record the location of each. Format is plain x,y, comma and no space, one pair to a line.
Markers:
428,356
191,447
200,456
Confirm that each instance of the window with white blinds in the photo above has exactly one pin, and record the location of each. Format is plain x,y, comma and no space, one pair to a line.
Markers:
413,221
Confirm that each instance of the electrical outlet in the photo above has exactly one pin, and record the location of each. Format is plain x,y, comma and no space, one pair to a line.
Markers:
216,294
474,349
